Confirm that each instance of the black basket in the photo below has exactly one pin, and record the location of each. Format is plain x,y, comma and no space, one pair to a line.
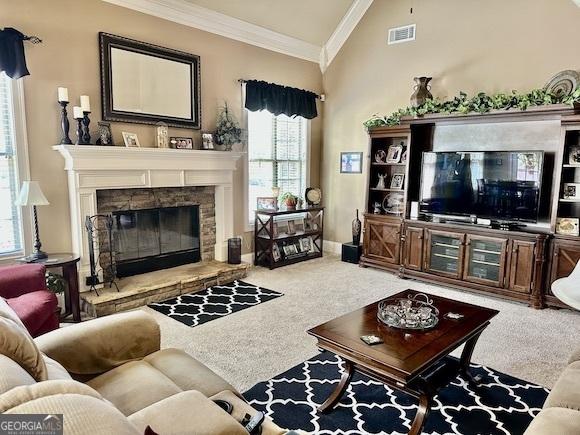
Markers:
235,250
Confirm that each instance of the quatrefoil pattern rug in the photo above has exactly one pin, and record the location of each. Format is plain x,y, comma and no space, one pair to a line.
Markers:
501,404
214,302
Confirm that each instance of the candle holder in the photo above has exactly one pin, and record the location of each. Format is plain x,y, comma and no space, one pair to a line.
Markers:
64,124
80,140
86,135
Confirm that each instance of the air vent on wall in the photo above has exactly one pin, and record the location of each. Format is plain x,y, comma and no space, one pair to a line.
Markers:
402,34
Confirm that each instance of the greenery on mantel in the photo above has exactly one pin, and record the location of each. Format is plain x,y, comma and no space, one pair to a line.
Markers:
480,103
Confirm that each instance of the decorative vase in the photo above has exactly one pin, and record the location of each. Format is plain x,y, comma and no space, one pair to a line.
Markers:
356,228
381,183
421,94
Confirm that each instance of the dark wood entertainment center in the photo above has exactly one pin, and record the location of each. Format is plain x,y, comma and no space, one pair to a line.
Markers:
518,265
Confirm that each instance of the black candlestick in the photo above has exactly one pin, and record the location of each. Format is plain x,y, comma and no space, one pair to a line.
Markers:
37,254
86,134
64,124
80,140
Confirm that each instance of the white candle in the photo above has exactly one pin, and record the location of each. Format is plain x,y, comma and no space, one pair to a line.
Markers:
77,112
63,94
85,105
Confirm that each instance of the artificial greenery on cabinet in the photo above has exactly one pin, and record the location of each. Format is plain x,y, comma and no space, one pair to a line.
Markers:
480,103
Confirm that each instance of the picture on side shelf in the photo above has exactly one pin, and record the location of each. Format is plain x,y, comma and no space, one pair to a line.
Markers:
291,228
397,181
568,226
574,156
269,203
571,191
131,140
351,163
276,252
307,244
290,249
394,154
181,143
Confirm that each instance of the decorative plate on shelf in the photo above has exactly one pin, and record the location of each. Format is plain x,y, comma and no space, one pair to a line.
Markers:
563,83
380,156
394,203
313,195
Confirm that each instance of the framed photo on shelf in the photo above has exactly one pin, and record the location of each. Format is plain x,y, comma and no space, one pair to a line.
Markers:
351,163
568,226
181,143
290,249
269,203
394,154
291,228
571,191
131,140
276,252
397,181
307,244
574,155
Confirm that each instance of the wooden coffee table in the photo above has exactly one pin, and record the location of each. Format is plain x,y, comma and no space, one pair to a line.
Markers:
410,361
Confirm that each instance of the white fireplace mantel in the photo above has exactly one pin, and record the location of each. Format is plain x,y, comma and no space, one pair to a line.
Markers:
93,168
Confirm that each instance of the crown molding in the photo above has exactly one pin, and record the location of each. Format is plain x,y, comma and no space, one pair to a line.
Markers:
343,31
182,12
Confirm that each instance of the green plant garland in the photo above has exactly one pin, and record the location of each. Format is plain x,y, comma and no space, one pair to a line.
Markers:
481,103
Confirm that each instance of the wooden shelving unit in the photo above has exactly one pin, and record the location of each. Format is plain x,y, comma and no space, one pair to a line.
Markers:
275,247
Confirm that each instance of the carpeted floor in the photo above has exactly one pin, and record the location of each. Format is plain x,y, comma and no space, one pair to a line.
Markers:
256,344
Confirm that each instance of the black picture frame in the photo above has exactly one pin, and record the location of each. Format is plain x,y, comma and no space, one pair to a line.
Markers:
108,41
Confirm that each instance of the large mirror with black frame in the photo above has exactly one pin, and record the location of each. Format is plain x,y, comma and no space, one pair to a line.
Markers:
145,83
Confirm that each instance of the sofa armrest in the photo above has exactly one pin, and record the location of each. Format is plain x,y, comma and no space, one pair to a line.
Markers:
97,346
20,279
575,356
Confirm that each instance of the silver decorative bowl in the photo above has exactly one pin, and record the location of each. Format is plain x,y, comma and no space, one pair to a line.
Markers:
416,312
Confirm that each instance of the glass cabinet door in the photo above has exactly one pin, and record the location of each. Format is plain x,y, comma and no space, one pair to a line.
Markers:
484,261
445,253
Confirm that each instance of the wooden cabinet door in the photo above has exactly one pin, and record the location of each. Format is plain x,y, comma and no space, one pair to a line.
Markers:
444,253
382,240
521,268
413,250
485,260
564,259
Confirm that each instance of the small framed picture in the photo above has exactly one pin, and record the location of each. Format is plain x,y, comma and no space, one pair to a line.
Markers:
394,154
276,252
397,181
181,143
290,249
306,244
269,203
351,163
131,140
105,135
574,155
291,228
568,226
571,190
207,141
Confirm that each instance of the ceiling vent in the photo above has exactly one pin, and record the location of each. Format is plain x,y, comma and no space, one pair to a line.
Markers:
402,34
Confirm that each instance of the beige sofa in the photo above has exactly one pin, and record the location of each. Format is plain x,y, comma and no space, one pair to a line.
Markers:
561,413
109,376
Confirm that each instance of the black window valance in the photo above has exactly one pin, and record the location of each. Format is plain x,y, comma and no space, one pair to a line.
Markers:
279,99
12,59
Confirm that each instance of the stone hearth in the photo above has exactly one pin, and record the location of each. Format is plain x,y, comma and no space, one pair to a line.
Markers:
140,290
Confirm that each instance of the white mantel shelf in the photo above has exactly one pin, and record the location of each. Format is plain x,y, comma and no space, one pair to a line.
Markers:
92,168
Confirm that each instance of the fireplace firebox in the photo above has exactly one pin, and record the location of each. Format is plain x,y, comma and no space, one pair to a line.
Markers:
153,239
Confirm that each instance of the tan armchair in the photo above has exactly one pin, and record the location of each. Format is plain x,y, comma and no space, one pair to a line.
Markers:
109,376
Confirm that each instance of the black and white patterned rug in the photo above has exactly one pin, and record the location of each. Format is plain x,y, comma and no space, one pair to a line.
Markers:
214,302
501,404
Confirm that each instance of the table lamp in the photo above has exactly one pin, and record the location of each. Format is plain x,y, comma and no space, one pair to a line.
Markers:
31,194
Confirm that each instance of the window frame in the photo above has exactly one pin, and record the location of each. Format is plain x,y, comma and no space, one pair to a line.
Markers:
22,167
249,225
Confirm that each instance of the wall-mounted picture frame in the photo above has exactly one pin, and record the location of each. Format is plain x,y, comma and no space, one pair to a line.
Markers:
568,226
268,203
574,155
351,162
571,191
397,181
181,143
131,140
394,154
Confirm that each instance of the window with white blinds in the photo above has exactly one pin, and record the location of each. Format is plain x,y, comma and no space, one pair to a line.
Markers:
10,224
277,153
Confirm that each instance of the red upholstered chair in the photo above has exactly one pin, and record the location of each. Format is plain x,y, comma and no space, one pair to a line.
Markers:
24,288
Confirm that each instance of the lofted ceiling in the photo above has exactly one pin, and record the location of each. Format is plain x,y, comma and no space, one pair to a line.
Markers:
312,21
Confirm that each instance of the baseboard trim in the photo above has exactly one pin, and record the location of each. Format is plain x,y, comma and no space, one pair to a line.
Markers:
332,247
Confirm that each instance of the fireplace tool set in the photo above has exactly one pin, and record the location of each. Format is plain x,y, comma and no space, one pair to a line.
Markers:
93,233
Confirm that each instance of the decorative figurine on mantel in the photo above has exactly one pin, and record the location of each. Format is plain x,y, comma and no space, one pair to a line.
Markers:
381,183
356,230
162,135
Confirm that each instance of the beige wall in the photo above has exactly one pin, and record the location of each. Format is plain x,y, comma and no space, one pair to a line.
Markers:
69,57
469,45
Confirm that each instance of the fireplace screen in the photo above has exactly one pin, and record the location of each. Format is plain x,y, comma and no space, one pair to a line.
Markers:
154,239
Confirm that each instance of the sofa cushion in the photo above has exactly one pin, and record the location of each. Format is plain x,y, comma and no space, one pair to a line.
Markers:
17,344
55,371
35,309
187,412
566,391
12,375
187,372
134,386
555,421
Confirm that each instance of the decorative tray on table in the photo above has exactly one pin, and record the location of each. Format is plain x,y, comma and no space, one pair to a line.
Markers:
416,312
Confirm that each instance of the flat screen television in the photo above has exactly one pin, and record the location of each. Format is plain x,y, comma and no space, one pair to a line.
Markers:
496,185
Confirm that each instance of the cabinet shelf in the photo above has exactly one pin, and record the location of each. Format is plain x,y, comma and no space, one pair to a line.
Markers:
451,257
485,251
445,245
374,189
388,164
285,236
569,200
571,166
486,263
